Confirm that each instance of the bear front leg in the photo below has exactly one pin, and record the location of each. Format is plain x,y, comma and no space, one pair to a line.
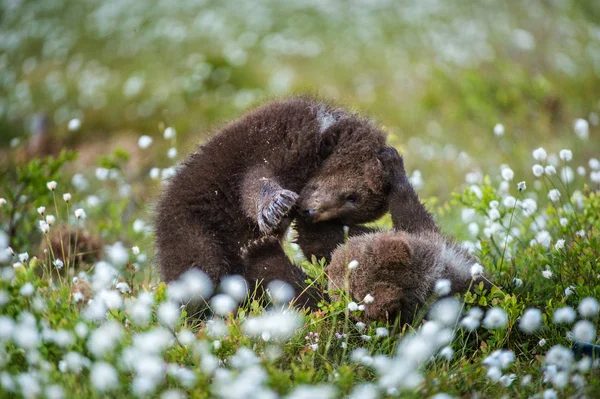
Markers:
265,201
265,261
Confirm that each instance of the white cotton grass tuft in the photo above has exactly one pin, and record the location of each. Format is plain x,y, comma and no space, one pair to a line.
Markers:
582,128
172,153
144,141
80,213
169,133
445,311
539,154
104,377
51,185
235,286
507,173
280,291
564,315
476,270
276,324
193,286
495,318
74,125
66,197
499,129
522,186
588,307
538,170
530,321
168,313
223,304
105,339
584,330
566,155
368,299
442,287
117,254
353,264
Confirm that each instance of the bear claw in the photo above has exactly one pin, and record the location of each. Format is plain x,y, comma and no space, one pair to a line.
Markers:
274,208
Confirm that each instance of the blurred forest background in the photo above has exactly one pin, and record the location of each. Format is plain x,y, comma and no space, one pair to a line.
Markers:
438,75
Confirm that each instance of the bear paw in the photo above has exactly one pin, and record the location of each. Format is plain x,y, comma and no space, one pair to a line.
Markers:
263,246
273,208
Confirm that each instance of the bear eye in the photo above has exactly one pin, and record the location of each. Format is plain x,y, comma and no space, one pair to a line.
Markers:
351,198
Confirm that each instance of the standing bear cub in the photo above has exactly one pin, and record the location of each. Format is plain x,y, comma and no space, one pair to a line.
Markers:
229,204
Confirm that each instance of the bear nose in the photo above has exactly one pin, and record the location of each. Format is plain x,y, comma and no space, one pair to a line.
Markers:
308,213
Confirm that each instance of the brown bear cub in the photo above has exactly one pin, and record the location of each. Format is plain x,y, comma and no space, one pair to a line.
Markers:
399,268
227,207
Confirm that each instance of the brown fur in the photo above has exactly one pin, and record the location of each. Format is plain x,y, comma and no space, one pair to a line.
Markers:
399,268
243,184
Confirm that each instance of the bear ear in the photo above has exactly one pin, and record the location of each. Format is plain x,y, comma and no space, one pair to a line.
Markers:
391,250
374,176
393,167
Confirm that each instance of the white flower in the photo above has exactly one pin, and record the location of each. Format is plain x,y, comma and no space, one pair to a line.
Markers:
550,170
538,170
368,299
565,155
27,290
560,244
554,195
582,128
2,201
588,307
67,197
144,141
476,270
104,377
58,264
547,274
499,129
539,154
447,352
222,304
117,253
280,291
80,213
45,227
169,133
51,185
442,287
135,250
560,357
24,257
542,342
530,321
570,290
584,331
518,282
381,332
74,125
41,210
494,214
581,171
154,173
353,264
564,315
168,313
507,174
522,186
123,287
509,201
235,286
495,318
105,338
50,219
564,222
353,306
172,153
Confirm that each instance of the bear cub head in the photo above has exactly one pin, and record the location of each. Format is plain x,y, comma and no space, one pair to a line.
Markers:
350,190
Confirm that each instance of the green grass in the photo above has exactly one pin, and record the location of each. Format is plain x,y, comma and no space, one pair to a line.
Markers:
437,76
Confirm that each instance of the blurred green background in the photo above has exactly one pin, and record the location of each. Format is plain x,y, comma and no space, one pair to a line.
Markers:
438,75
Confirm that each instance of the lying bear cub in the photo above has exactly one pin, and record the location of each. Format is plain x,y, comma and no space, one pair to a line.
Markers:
399,268
227,207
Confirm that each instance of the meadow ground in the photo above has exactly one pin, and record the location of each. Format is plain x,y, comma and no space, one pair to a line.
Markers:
478,97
